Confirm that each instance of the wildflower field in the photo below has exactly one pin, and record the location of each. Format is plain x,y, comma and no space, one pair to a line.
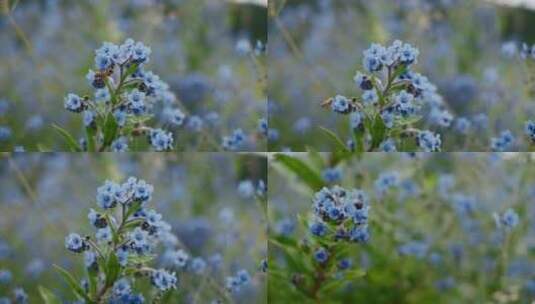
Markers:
398,228
157,227
132,75
267,151
405,75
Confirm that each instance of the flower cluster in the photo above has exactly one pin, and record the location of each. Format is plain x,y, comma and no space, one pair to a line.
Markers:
19,295
502,143
129,240
511,49
124,100
395,95
235,283
508,220
342,211
234,141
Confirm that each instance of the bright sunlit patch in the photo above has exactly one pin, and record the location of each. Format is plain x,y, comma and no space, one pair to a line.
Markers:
525,3
258,2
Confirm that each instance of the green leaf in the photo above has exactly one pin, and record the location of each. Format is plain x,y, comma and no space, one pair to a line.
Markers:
302,170
283,241
138,259
110,130
358,137
134,207
92,274
407,121
315,158
73,283
340,146
113,229
378,132
90,133
130,70
71,142
113,268
47,296
293,257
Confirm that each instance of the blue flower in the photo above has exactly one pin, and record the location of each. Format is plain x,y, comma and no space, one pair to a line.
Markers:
103,235
106,195
285,227
121,287
273,134
5,276
142,191
5,133
408,54
232,284
161,140
243,46
140,53
385,181
445,284
180,258
508,220
234,141
463,125
429,141
74,103
89,118
243,276
374,57
246,189
340,104
502,143
331,175
128,299
20,296
318,229
195,123
388,118
174,116
389,145
163,280
102,95
370,97
122,255
75,243
136,102
345,264
416,249
302,125
404,104
440,117
509,49
356,120
198,265
321,255
90,259
264,265
359,234
140,240
120,117
263,126
103,62
529,129
120,145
